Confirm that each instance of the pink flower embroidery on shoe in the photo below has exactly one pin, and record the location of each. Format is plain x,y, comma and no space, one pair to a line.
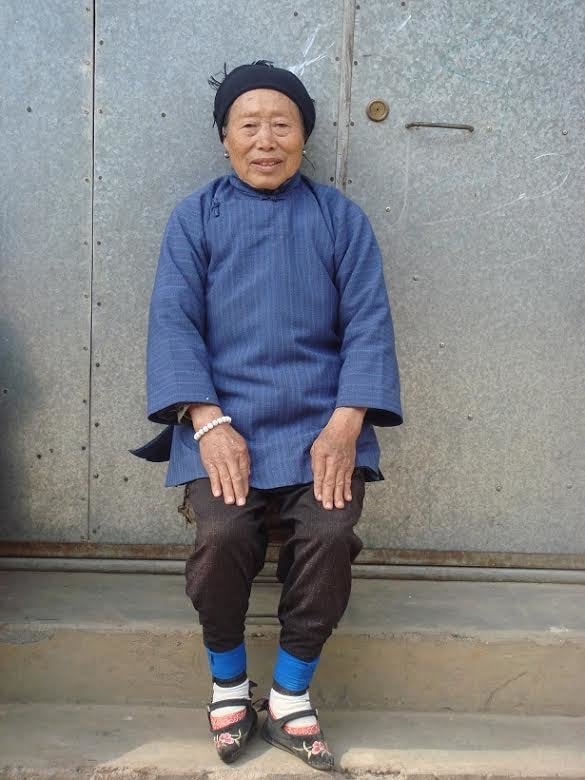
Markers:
228,739
316,749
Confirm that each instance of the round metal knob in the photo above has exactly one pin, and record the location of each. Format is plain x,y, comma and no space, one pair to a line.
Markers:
377,110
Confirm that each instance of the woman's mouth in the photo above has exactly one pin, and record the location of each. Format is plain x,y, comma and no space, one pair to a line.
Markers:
266,164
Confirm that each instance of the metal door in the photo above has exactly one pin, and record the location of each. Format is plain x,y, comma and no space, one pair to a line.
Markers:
482,234
154,144
45,268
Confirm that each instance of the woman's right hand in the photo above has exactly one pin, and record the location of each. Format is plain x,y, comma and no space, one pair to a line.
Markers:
224,454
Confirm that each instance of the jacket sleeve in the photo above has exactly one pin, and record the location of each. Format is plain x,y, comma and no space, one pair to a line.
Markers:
177,364
369,374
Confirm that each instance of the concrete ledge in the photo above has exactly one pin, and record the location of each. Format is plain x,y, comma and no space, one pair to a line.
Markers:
104,742
425,646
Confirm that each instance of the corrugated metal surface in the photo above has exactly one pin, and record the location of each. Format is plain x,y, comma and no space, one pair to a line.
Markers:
46,58
154,144
483,239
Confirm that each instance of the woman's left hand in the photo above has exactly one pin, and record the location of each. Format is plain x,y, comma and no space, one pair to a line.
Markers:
333,456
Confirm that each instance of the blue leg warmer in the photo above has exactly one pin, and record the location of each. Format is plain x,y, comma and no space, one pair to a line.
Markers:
227,665
292,673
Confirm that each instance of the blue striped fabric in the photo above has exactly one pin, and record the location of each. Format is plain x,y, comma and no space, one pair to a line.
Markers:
273,306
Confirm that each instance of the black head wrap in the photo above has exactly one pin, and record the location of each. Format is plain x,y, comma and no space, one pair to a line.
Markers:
261,75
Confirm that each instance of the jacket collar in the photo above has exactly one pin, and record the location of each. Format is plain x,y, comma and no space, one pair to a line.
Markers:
280,193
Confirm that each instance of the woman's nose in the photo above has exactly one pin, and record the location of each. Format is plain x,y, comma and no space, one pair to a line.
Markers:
265,135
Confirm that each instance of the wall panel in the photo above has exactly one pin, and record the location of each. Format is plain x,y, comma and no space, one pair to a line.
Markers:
46,61
483,241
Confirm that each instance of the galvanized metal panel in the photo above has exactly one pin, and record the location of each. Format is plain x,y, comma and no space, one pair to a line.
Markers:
45,268
484,247
154,144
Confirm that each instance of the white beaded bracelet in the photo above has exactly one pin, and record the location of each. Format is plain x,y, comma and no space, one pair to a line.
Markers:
213,424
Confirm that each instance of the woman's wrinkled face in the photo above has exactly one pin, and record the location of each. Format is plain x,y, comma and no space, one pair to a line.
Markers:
264,138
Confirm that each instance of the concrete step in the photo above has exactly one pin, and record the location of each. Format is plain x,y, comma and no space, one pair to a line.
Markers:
515,648
100,742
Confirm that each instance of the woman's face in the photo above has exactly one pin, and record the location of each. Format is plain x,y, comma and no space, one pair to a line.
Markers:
265,138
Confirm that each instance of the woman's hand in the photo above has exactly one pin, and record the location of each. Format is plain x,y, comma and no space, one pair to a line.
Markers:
224,454
333,456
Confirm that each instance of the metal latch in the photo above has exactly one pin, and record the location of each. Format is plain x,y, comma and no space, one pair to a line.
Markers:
439,124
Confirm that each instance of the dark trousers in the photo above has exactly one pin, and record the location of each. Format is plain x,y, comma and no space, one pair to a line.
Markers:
314,565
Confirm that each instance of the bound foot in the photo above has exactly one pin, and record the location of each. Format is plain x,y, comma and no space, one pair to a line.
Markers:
232,723
306,742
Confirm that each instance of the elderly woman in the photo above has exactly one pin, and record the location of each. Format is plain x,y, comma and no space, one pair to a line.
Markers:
271,354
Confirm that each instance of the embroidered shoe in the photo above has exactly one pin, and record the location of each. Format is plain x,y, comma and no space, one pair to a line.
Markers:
310,748
232,737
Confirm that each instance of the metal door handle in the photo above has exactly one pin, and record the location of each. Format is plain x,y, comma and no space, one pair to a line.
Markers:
439,124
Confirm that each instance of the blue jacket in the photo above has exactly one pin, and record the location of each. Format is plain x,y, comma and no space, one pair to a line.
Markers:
272,305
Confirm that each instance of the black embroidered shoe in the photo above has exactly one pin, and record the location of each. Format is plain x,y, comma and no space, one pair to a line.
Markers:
310,748
231,739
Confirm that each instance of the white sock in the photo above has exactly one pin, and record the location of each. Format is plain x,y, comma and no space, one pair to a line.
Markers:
239,691
281,705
